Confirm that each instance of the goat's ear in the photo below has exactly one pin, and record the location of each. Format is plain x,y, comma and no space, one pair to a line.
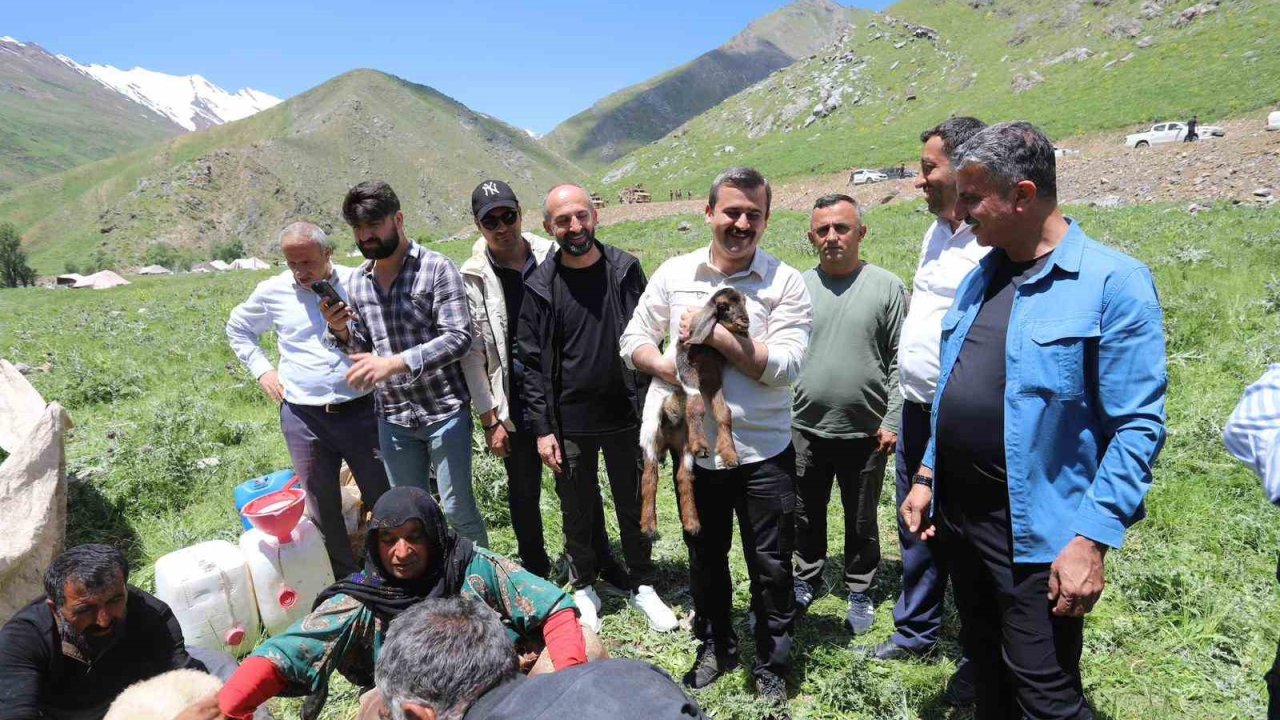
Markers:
702,325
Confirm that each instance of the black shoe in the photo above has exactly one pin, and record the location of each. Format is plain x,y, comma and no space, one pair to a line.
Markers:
771,687
709,666
960,692
889,650
804,594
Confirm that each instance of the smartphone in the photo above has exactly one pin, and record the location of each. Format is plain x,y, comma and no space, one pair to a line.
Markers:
326,292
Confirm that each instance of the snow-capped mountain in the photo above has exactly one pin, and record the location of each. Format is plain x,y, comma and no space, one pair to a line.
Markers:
188,100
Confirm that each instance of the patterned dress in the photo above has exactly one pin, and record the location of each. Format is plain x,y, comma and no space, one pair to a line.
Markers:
343,634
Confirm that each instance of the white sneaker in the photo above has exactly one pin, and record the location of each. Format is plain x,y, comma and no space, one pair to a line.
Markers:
660,617
589,605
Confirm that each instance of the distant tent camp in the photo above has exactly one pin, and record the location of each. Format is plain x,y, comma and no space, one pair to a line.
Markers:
101,281
211,266
69,280
250,263
154,270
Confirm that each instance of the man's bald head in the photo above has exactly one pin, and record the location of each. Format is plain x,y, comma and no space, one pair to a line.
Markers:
564,192
569,216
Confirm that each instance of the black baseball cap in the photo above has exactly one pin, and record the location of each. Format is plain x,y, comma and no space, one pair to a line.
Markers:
492,194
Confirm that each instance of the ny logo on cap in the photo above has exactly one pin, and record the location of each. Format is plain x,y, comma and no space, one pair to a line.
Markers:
489,188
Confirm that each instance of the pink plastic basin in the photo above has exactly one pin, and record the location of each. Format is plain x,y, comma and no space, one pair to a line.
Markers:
277,513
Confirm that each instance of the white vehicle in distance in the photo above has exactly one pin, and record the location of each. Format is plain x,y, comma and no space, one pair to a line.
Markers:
1169,132
862,177
1273,121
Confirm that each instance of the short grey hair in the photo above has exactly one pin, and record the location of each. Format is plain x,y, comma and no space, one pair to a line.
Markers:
1010,153
304,229
444,653
833,199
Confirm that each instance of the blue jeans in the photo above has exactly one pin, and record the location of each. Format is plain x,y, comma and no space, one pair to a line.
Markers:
917,617
442,449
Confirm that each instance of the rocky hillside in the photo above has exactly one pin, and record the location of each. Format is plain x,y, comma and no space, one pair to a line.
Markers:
643,113
244,180
53,117
1074,68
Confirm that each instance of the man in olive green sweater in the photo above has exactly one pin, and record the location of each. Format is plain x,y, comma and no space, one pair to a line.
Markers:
847,404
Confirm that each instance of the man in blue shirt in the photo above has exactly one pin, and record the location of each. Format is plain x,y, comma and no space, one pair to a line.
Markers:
325,420
1057,340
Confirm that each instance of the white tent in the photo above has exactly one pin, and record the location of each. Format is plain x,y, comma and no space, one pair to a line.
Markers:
210,266
249,263
154,270
101,281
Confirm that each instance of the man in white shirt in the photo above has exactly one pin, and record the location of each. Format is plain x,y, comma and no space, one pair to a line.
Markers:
757,388
324,419
949,252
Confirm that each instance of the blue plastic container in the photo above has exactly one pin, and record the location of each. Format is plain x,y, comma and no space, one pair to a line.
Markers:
251,490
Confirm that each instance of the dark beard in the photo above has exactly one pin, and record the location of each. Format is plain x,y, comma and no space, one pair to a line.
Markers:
385,249
577,250
91,647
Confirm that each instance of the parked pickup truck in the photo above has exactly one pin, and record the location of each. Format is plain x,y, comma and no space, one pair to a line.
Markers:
1167,132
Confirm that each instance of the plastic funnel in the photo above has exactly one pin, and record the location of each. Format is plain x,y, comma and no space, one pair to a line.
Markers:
277,514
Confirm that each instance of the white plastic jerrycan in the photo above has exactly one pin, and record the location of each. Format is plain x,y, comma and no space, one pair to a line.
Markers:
209,590
287,576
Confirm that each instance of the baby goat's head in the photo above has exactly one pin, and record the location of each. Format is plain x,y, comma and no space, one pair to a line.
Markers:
731,311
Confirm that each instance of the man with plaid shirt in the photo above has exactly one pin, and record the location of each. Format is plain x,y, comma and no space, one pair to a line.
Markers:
408,328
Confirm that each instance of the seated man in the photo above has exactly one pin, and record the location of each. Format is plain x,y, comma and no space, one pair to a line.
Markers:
420,677
71,652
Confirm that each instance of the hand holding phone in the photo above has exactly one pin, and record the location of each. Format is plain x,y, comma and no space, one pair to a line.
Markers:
327,294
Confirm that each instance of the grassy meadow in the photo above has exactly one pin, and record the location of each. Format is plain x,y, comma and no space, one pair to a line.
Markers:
1189,620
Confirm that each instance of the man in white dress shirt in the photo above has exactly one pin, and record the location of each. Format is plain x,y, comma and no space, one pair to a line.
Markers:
757,388
324,419
948,253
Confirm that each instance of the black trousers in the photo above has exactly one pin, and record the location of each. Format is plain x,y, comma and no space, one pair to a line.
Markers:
524,493
1026,660
762,494
586,541
859,469
1273,679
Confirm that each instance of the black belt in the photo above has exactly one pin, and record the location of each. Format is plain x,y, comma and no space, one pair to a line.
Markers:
338,408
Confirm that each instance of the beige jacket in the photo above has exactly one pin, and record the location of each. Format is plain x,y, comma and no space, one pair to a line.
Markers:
485,367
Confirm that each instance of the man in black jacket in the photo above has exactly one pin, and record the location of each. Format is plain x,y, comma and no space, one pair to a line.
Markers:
70,653
582,400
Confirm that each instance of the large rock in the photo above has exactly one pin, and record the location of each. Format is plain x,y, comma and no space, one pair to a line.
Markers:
1022,83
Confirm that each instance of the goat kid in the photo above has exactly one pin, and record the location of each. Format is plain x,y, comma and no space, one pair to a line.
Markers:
673,416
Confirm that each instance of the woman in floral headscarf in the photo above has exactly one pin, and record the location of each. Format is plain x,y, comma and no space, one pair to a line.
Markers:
411,554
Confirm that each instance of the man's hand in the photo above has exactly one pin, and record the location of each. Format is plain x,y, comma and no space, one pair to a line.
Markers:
1076,578
337,316
205,708
915,509
650,361
370,369
496,437
270,383
686,320
549,451
886,441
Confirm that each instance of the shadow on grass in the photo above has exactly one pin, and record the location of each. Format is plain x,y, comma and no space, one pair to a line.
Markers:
94,518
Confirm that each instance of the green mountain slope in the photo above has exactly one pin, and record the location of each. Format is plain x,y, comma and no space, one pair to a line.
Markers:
53,117
244,180
642,113
1072,68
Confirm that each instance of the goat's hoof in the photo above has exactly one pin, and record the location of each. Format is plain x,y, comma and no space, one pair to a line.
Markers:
693,527
729,461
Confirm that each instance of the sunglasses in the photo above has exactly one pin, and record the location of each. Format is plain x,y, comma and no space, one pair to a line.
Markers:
493,219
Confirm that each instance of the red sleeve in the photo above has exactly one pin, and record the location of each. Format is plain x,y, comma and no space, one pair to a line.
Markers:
256,681
564,639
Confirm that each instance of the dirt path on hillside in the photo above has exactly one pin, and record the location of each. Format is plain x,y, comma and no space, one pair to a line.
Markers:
1104,173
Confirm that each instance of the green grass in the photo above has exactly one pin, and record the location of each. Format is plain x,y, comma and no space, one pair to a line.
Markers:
1188,622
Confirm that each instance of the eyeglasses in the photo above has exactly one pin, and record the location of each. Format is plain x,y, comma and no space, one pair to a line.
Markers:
493,219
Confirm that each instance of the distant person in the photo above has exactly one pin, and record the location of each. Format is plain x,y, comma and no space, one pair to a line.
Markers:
412,555
757,389
324,419
1252,435
847,404
419,675
409,329
69,653
948,253
583,402
502,259
1191,135
1048,417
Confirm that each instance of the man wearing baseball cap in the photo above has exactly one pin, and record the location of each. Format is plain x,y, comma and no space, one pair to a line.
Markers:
501,259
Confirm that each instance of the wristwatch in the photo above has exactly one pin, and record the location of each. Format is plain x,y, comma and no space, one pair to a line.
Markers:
924,480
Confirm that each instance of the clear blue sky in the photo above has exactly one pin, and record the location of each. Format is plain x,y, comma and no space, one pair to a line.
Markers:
531,63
